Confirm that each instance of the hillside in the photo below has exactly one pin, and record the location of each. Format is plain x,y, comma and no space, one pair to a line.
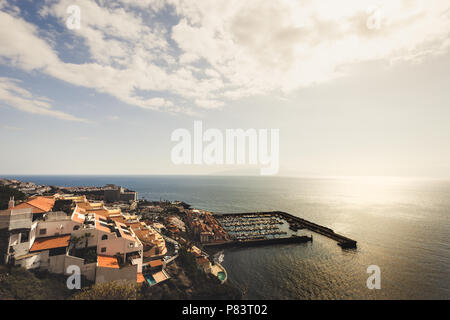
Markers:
7,192
21,284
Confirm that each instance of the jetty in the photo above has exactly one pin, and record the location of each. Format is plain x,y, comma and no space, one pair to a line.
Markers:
341,240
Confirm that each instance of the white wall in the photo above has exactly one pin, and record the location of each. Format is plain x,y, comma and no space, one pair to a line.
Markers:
55,228
45,261
33,233
113,244
57,264
32,262
87,270
92,241
138,262
20,249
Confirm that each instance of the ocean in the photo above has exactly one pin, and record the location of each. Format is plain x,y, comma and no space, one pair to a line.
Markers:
401,225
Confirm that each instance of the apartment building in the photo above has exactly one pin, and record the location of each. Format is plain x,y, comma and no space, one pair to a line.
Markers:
102,242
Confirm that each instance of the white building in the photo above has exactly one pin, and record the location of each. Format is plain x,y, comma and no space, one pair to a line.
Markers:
105,250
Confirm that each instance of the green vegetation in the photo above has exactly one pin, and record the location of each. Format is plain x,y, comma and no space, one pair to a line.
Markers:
187,261
4,240
21,284
187,282
190,283
63,205
91,255
172,289
7,192
110,291
171,210
88,254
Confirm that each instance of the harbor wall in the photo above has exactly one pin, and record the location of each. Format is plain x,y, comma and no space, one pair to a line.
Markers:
262,242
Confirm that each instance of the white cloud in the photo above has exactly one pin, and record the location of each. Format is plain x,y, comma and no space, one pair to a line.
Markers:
209,104
224,50
265,45
14,96
10,7
11,128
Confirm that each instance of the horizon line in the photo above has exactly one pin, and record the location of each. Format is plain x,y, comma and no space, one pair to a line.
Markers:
6,176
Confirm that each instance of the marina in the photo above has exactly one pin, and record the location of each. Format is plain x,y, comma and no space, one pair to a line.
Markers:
273,227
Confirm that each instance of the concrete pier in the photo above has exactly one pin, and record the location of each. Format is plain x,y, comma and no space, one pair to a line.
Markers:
342,241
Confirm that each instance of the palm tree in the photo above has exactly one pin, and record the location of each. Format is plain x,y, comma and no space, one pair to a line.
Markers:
119,258
87,236
74,241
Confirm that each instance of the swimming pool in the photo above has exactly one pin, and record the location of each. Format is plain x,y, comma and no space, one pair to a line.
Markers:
221,275
150,279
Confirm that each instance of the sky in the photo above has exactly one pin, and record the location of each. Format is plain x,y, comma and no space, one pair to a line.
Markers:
355,87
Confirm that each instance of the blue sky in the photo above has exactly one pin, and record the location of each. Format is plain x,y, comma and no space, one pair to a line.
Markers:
348,98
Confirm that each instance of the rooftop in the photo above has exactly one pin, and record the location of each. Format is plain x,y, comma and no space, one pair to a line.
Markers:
160,276
107,262
140,278
156,263
41,244
38,204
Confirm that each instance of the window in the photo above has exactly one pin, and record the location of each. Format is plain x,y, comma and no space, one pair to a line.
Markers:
42,231
76,228
103,250
131,245
104,237
24,237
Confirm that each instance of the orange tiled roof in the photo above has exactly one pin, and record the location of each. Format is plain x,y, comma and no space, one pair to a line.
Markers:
77,217
156,263
78,209
107,262
43,203
140,278
120,224
39,204
100,227
121,231
98,217
145,235
90,205
118,218
50,243
105,212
